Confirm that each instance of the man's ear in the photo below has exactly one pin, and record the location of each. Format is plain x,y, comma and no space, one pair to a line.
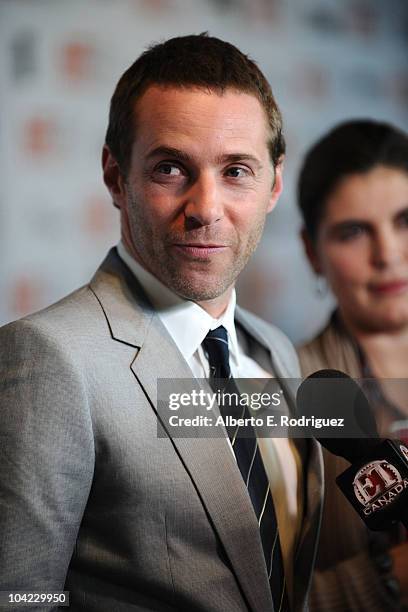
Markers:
113,177
310,251
277,185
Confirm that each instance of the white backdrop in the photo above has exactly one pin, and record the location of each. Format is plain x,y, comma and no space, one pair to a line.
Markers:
59,62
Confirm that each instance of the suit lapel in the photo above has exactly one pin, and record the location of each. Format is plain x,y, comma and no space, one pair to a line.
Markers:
209,461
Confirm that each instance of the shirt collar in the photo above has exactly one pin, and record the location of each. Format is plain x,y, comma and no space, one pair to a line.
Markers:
186,322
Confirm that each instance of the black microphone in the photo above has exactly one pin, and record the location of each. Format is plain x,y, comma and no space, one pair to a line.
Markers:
376,484
332,395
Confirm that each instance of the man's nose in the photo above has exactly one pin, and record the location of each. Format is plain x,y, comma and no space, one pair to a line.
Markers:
387,248
203,202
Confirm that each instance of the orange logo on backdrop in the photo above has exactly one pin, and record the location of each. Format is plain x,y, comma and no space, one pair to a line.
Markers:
39,136
76,60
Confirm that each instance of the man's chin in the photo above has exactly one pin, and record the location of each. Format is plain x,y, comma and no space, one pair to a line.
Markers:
200,295
203,291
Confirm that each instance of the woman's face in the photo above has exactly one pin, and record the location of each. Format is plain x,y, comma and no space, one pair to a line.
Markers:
362,249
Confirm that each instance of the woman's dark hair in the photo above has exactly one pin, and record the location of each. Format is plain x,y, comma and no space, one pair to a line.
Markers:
352,147
188,61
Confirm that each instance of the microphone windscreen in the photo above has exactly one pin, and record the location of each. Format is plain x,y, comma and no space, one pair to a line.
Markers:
335,395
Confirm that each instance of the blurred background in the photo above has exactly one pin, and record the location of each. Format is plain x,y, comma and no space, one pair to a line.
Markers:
327,60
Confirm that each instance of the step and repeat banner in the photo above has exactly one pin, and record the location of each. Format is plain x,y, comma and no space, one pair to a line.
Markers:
59,63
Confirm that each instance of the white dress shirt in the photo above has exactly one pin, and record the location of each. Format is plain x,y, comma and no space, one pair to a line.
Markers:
188,324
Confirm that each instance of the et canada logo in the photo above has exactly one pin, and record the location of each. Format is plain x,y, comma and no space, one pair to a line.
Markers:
377,485
404,451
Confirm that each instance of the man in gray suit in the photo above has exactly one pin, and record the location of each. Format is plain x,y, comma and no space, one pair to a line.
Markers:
92,500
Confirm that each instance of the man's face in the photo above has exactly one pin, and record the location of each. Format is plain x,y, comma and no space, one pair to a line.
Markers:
200,184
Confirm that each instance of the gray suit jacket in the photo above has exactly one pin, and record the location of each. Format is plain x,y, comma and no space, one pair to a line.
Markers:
91,500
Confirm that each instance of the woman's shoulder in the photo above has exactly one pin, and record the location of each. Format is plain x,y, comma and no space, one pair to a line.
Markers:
330,348
312,354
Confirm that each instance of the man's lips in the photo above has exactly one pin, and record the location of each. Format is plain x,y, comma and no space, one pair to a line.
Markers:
390,287
199,249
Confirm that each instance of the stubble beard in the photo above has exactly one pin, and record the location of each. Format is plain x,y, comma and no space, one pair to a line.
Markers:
200,285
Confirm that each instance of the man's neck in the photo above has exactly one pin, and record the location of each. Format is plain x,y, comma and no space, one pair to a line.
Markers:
218,305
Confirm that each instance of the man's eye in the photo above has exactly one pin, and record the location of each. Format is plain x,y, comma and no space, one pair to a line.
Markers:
403,220
169,169
237,172
350,232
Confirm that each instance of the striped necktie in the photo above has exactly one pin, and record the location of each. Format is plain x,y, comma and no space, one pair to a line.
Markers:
250,463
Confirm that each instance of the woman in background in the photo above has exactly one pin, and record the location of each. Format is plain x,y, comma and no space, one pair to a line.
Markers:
353,195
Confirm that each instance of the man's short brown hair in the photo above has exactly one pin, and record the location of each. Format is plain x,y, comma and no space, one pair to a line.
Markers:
188,61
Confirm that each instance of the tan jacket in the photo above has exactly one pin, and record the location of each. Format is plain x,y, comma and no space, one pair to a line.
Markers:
346,578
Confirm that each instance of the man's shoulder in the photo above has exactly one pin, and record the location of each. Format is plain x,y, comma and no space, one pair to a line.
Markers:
282,349
65,319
